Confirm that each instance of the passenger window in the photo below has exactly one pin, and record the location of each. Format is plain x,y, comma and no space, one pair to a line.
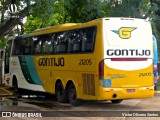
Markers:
74,41
17,47
37,43
47,44
60,42
26,44
88,38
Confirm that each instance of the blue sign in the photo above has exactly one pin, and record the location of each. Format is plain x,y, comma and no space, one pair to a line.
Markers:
107,83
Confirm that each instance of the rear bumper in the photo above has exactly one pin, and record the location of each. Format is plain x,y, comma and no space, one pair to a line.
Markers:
125,93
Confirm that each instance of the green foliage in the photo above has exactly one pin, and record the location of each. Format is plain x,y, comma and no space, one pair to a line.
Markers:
32,24
156,24
132,8
43,9
64,11
2,42
82,10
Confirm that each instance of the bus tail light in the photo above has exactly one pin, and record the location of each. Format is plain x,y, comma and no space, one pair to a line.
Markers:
101,70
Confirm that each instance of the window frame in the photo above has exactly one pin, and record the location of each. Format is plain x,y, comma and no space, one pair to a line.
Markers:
55,33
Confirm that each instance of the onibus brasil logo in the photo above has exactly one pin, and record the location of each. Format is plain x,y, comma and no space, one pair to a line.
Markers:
124,32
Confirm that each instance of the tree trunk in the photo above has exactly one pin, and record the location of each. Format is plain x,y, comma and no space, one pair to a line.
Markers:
10,24
13,21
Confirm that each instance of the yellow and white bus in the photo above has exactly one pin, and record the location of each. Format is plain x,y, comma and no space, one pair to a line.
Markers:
104,59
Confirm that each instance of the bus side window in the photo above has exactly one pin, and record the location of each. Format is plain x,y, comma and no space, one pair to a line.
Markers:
17,47
88,37
27,45
60,43
74,41
61,48
47,45
37,45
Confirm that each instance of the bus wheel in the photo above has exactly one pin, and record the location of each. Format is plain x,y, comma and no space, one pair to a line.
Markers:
72,95
61,93
15,85
116,101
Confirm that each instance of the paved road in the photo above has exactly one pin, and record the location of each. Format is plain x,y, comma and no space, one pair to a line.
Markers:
92,108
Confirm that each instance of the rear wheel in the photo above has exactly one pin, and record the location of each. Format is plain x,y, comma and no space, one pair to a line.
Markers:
116,101
72,95
61,93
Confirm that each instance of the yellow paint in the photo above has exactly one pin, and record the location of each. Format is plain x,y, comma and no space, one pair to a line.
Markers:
125,32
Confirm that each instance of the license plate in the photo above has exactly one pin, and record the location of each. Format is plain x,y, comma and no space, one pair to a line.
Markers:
130,90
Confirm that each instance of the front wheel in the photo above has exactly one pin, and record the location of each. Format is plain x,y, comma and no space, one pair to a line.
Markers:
15,85
72,95
16,92
116,101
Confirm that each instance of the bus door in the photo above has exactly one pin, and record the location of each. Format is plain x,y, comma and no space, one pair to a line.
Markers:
7,62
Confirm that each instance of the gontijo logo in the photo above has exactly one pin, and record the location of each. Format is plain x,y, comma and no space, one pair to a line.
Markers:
124,32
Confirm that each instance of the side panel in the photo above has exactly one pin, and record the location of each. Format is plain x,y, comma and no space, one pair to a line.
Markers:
40,72
64,67
25,73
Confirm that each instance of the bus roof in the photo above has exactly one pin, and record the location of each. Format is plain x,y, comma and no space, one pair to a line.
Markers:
65,26
53,28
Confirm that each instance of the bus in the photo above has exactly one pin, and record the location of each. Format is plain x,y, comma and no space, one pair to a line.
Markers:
155,62
103,59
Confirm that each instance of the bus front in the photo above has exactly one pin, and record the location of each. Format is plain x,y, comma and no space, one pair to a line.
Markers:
126,71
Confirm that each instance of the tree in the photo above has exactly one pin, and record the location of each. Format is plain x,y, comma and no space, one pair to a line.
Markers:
25,8
68,11
82,10
132,8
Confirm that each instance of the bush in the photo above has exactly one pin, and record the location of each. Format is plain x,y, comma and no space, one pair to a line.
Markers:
2,42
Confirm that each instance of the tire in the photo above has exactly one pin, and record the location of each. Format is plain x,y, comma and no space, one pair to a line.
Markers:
16,92
61,93
72,95
116,101
15,85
